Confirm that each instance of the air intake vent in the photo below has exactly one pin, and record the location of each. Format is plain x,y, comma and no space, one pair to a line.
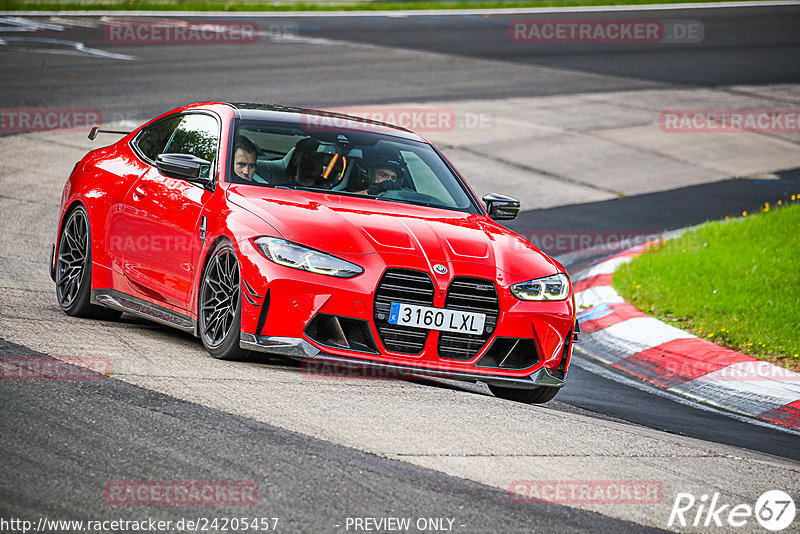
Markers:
473,295
568,341
341,333
510,353
407,287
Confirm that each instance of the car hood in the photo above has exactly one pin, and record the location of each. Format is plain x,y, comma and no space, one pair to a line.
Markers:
344,225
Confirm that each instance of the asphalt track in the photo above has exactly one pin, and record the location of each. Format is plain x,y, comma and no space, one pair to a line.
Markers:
458,57
136,434
107,430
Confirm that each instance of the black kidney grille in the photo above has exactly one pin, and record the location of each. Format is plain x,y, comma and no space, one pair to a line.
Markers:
408,287
472,295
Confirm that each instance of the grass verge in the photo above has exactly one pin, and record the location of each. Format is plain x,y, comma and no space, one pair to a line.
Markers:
328,5
734,282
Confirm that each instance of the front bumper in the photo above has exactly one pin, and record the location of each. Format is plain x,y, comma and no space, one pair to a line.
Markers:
301,315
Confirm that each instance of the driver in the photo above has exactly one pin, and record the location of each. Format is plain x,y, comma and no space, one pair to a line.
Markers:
383,175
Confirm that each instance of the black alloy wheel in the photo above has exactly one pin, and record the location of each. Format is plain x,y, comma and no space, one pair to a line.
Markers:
74,269
220,304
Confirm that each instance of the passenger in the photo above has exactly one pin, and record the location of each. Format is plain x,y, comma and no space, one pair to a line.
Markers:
308,163
245,155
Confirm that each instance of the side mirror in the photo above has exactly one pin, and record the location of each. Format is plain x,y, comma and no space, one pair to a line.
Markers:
501,207
184,166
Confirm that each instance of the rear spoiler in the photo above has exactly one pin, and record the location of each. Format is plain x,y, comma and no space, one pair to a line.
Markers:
96,130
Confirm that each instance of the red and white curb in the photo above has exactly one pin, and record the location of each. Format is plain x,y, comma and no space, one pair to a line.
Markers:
623,337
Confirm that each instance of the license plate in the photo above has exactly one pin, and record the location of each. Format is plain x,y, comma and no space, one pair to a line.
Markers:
437,318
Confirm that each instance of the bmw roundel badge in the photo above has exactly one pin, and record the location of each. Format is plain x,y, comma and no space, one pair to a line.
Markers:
439,268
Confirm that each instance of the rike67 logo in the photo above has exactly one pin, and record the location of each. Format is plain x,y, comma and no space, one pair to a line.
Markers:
774,510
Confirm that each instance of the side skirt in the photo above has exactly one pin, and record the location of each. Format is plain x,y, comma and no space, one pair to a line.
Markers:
111,298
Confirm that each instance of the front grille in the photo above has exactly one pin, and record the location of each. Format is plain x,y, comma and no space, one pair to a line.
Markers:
472,295
408,287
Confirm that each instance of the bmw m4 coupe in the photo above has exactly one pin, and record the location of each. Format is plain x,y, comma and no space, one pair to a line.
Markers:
313,235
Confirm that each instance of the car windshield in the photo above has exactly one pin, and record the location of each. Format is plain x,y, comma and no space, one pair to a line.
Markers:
345,161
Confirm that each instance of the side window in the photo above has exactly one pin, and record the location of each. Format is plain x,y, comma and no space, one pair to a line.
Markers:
152,140
197,135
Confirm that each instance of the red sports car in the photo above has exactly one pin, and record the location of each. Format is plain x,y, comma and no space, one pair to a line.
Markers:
313,235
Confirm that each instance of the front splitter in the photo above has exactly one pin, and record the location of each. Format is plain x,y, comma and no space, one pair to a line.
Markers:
300,349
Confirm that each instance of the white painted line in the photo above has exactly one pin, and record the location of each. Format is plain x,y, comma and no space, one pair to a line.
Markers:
587,363
415,12
69,48
606,267
25,25
759,370
751,397
303,39
637,334
596,295
75,22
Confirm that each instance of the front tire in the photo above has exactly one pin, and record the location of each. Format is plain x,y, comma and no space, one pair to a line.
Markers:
539,395
220,305
73,271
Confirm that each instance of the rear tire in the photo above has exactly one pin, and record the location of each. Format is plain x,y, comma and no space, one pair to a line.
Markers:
220,305
539,395
74,269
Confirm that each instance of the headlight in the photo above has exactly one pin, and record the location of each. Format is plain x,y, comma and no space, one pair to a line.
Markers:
555,287
299,257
